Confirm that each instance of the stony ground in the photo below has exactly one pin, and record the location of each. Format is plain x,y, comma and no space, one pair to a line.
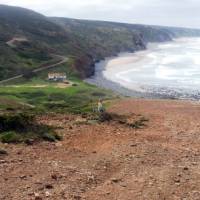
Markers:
110,161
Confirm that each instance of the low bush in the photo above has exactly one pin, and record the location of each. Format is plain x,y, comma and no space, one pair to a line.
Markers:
49,137
10,137
21,127
16,122
104,116
132,121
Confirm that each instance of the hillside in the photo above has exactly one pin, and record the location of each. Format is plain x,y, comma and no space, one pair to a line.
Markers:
109,161
36,37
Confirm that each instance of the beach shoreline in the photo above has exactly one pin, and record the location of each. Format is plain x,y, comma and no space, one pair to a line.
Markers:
100,80
107,75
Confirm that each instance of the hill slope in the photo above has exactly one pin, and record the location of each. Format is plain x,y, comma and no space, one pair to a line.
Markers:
35,37
108,160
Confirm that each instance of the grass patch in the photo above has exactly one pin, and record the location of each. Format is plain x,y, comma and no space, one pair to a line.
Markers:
80,99
132,121
10,137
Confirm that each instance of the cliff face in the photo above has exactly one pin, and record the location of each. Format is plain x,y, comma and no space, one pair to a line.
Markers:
98,40
85,41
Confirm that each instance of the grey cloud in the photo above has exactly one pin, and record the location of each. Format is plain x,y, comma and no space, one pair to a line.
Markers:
161,12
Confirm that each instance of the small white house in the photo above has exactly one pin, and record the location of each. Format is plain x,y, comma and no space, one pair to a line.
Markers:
57,76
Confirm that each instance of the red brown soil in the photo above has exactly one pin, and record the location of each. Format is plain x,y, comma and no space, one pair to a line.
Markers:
109,161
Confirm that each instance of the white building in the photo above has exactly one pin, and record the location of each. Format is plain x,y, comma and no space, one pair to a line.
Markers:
57,76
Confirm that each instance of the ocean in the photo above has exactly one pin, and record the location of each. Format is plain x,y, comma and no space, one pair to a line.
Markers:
170,69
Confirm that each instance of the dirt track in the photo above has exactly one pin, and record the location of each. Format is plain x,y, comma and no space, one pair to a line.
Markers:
110,161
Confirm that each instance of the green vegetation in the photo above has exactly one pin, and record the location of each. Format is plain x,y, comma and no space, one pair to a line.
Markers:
13,63
20,103
82,40
21,127
10,137
132,121
80,98
39,40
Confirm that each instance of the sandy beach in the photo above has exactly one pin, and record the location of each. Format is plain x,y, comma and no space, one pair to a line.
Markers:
106,69
161,71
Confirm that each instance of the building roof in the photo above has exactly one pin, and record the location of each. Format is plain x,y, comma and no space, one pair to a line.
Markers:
56,74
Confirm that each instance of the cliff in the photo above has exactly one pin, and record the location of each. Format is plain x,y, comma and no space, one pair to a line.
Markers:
85,41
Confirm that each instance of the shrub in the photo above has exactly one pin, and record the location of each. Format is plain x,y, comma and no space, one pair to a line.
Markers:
104,116
58,137
15,122
98,94
49,137
23,127
10,137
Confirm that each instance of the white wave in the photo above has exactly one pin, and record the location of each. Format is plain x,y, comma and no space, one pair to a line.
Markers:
164,72
171,59
174,64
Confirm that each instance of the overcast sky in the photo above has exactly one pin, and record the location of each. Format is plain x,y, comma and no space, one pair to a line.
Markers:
185,13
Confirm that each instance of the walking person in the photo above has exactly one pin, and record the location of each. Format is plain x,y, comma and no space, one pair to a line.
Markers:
100,108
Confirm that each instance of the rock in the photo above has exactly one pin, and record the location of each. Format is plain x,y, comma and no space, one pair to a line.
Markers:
194,163
176,180
2,161
30,193
54,176
47,194
133,145
3,152
58,144
115,180
151,183
185,168
23,176
123,185
29,141
77,197
38,182
92,122
37,196
49,186
41,188
91,178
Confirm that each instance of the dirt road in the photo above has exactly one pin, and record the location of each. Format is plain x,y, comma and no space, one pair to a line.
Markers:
109,161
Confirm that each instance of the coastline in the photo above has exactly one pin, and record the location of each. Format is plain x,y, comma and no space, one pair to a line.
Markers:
107,75
100,80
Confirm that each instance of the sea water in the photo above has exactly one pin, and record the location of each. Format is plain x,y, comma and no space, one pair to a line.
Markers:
171,68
